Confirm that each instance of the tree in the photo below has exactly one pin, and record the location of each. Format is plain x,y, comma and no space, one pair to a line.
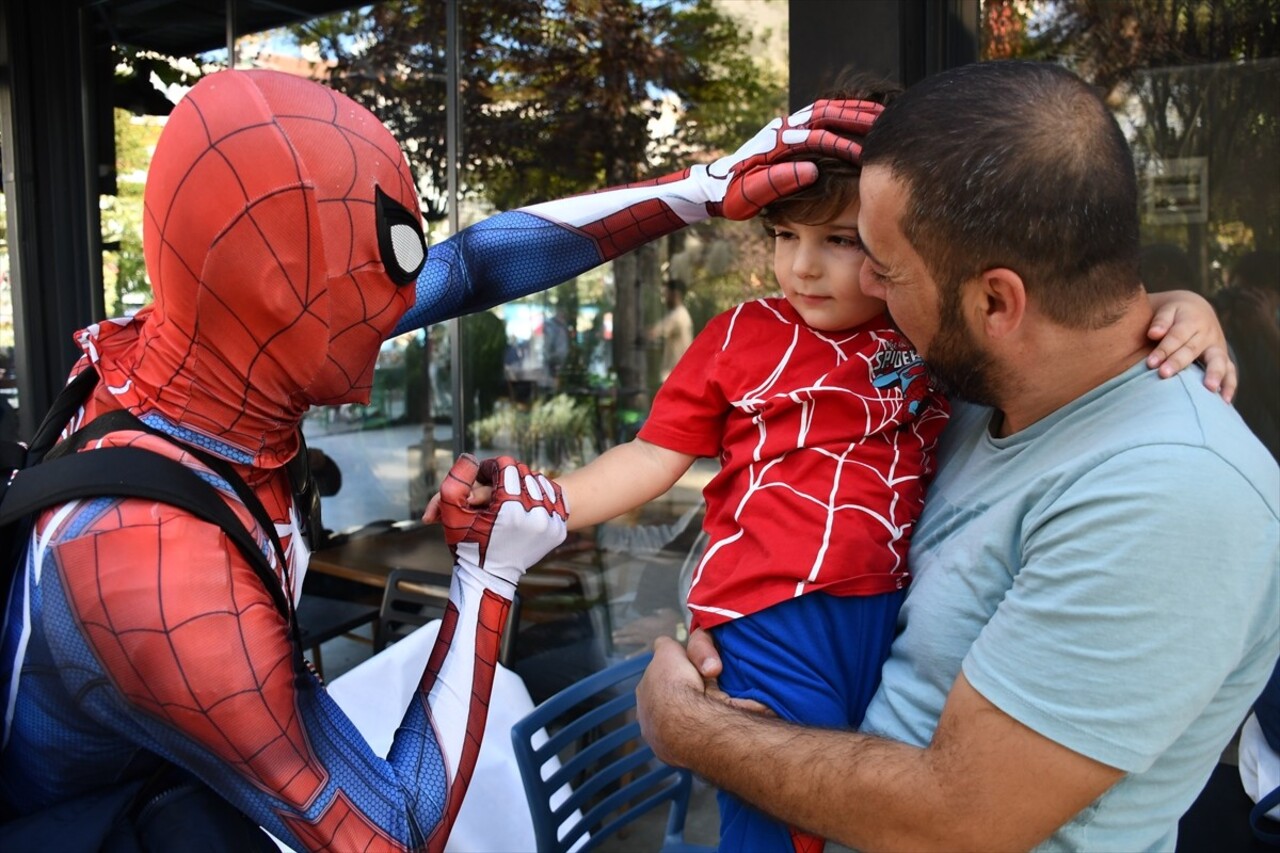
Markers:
139,77
1191,79
124,271
558,99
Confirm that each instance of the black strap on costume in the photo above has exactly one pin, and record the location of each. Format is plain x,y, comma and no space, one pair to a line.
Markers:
306,494
1260,823
62,475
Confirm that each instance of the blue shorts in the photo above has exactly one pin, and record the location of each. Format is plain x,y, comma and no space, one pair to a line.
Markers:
813,660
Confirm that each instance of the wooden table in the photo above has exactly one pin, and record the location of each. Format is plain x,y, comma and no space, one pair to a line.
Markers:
568,586
369,559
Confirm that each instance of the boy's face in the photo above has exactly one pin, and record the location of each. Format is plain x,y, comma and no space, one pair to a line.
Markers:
818,266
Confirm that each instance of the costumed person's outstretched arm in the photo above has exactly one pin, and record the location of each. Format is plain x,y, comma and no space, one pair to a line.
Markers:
527,250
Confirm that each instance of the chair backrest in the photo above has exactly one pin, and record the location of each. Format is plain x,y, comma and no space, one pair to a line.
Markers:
614,776
413,598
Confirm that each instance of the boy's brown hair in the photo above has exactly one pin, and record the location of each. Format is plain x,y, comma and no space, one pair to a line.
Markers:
837,184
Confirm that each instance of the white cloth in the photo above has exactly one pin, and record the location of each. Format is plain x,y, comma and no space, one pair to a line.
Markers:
1259,764
495,813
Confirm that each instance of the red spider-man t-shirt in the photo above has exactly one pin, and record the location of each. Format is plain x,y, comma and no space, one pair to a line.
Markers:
826,445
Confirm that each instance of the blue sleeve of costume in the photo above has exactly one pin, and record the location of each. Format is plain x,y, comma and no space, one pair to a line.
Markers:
502,258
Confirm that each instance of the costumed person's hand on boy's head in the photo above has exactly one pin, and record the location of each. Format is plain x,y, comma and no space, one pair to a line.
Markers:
764,169
505,534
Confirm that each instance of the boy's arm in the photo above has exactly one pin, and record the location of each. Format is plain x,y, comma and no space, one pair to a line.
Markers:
1187,328
620,479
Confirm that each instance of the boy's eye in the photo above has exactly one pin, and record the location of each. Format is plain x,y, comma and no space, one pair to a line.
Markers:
850,242
783,234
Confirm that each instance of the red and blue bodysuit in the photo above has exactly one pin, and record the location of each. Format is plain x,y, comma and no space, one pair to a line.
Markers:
284,244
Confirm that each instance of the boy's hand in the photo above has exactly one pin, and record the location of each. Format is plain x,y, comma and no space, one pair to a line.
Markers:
524,520
1187,329
480,495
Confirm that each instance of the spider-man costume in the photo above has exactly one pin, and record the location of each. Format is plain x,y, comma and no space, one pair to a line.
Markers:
284,245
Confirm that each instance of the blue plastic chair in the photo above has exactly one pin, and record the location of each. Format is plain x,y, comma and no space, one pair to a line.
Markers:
614,775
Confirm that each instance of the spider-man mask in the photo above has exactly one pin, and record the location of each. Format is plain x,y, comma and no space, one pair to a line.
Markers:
282,238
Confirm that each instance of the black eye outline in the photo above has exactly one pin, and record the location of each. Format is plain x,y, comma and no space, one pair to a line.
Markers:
391,214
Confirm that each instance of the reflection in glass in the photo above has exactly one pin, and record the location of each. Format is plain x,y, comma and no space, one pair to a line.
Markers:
1192,85
8,378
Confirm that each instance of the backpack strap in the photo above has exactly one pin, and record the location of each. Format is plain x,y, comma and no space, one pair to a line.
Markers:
134,472
70,398
63,475
306,494
15,455
118,420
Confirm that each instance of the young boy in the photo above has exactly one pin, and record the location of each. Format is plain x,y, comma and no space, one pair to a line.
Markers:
824,421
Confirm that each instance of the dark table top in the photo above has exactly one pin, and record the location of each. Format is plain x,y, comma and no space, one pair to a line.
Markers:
368,559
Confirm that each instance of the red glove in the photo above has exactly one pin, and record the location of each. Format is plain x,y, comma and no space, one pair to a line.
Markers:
736,186
763,170
523,521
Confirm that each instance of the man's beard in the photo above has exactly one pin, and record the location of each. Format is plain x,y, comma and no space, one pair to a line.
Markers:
958,363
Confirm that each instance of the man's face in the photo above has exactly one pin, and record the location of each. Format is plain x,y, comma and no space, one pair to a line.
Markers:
892,270
895,272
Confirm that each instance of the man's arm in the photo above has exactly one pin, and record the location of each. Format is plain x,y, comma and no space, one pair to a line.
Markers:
985,781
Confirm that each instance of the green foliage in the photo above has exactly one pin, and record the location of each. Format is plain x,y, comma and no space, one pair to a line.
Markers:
125,273
1193,79
550,434
484,338
558,96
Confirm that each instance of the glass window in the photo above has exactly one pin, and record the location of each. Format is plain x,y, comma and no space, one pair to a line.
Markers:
556,377
1192,85
8,380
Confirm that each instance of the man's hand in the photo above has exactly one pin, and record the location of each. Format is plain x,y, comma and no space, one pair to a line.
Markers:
668,699
703,654
673,692
524,519
763,170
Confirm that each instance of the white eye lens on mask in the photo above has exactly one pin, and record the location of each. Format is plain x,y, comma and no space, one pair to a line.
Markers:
400,240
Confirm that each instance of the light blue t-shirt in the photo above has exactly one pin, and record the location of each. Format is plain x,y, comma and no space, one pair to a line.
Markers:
1109,577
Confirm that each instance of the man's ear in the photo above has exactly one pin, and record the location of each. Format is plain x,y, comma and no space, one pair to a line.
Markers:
999,301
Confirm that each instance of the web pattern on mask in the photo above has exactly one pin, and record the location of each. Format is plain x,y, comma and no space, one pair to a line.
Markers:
293,268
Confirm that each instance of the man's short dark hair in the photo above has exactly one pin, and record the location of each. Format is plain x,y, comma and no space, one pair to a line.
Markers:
1020,165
